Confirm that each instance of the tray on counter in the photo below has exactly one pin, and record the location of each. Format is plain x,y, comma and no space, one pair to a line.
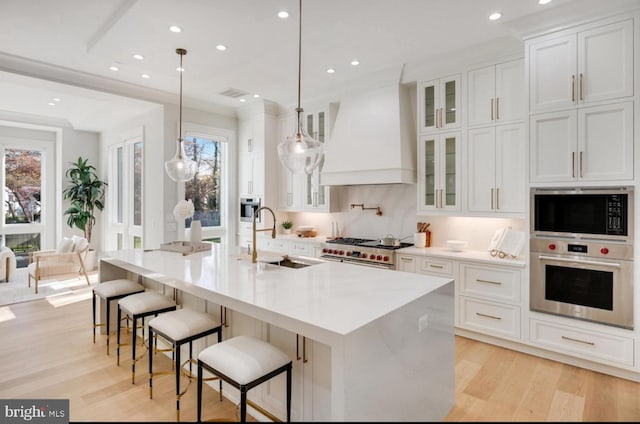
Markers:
185,247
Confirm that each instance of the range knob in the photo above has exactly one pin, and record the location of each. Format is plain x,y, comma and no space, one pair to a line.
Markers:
324,250
348,253
604,250
341,252
372,256
379,257
386,259
552,246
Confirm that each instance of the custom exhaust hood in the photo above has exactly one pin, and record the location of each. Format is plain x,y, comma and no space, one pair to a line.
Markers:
373,140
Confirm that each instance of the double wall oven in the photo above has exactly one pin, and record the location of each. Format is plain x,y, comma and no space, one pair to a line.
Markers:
361,252
582,254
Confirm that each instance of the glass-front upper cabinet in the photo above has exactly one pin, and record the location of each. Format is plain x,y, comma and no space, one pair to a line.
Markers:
316,195
438,168
439,104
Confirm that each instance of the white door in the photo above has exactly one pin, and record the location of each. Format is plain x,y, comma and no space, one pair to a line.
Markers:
605,142
481,169
481,89
605,62
510,100
552,74
552,146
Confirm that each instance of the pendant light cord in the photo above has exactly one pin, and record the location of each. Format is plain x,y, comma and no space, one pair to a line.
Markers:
180,122
299,109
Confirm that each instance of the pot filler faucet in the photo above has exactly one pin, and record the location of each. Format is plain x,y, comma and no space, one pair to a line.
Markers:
254,252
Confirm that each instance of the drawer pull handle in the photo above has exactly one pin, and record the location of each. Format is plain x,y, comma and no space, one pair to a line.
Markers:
488,281
579,341
436,266
488,316
406,259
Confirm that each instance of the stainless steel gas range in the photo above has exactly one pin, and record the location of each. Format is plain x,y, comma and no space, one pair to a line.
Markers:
362,252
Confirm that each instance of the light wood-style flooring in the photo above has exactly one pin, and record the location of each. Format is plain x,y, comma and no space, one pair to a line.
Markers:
47,352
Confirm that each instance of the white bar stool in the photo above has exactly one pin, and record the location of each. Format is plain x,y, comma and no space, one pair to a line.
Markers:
179,327
244,362
138,306
108,291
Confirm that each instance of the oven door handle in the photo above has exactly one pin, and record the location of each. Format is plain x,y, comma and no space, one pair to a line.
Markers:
579,261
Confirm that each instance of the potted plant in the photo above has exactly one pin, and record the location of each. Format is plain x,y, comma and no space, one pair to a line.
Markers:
287,225
86,193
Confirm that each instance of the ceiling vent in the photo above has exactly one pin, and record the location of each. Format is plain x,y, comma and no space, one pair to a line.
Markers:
234,93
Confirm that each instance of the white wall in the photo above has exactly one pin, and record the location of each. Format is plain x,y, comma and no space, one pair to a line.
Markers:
398,203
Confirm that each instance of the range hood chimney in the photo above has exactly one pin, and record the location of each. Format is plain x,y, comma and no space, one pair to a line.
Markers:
373,140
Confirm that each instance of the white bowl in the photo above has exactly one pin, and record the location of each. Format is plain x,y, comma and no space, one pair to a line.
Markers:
306,227
456,245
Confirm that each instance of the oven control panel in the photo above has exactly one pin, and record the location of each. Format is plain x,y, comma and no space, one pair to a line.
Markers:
592,249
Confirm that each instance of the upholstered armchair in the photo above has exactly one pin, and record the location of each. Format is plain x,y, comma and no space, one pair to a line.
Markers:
66,259
7,263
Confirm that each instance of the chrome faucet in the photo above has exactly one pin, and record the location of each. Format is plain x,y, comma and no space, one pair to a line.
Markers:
254,252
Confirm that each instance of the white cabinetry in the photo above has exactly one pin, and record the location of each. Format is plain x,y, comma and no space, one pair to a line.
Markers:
496,94
439,104
586,144
496,172
438,172
580,67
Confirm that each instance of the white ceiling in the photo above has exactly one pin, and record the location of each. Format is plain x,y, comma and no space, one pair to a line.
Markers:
75,42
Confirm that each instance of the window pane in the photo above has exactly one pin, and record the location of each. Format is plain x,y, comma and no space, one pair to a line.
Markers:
204,189
21,245
137,183
23,177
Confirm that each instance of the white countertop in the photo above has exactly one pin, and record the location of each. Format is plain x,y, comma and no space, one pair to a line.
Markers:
324,300
468,255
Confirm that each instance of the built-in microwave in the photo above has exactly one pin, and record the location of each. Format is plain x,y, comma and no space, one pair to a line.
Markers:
248,206
600,213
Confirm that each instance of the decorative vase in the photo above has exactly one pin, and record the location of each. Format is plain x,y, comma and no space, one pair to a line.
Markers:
196,232
287,231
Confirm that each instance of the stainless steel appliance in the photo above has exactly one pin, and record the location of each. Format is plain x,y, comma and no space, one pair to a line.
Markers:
602,213
588,280
248,206
362,252
581,252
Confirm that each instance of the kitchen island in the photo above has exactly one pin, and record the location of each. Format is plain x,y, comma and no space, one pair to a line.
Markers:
385,338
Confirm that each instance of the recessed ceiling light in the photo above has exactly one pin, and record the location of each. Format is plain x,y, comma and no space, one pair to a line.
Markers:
495,16
221,47
51,104
544,1
331,71
147,76
283,14
355,62
138,56
55,99
114,68
242,100
175,28
255,96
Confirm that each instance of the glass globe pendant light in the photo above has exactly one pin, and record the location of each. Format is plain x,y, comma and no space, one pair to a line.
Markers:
180,168
300,152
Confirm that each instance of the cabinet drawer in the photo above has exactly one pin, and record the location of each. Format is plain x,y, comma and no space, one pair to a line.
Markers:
490,318
276,245
586,343
302,249
436,266
491,283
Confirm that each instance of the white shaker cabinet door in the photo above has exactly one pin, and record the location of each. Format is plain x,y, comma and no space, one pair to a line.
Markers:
481,169
511,185
552,74
552,146
510,103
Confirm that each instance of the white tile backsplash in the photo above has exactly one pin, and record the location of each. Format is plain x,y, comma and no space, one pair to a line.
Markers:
399,217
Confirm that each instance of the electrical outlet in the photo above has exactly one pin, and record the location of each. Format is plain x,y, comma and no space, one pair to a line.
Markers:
423,322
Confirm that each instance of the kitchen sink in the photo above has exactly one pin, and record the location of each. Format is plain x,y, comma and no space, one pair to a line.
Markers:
296,262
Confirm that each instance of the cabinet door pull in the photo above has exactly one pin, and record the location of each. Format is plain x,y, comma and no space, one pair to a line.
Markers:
573,88
491,199
440,113
497,198
250,145
436,266
297,347
573,164
492,108
315,198
479,280
579,341
581,162
497,108
304,350
407,260
488,316
441,204
581,88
